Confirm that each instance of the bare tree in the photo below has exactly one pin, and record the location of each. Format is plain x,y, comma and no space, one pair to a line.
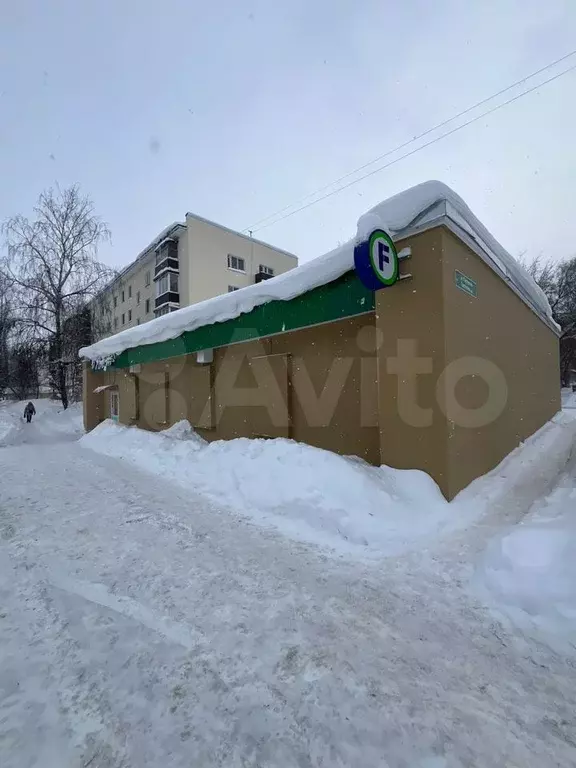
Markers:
25,362
558,281
52,262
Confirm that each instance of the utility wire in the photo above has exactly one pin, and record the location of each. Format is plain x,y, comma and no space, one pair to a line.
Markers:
255,228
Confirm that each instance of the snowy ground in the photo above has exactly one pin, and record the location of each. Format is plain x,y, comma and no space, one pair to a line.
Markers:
143,624
529,571
568,398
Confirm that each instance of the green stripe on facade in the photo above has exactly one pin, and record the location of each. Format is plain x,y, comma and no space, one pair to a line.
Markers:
342,298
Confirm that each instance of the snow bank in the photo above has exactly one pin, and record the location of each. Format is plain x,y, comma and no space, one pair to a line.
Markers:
396,215
305,492
9,422
529,573
317,496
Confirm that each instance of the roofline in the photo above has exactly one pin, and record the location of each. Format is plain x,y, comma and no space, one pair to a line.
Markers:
239,234
166,232
438,215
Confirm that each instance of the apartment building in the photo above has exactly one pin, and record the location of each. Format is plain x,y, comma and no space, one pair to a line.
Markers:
186,263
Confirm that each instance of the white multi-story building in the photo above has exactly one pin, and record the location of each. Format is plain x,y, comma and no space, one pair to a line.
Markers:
186,263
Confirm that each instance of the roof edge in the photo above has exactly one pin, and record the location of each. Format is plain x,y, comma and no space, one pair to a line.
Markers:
204,220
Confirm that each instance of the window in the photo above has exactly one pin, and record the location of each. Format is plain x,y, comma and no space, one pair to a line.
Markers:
123,297
163,311
168,282
129,291
137,297
129,315
147,279
114,405
115,322
232,288
266,270
115,301
138,321
147,306
235,262
123,319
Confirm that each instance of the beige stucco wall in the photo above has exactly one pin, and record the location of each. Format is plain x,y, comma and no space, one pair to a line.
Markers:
317,385
209,246
433,416
517,381
411,323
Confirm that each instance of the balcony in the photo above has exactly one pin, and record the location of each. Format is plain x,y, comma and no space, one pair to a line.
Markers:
166,257
260,276
170,297
167,263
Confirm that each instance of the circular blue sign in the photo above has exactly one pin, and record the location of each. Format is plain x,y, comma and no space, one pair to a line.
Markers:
376,261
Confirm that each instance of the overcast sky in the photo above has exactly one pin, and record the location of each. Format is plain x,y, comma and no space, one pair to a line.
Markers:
234,109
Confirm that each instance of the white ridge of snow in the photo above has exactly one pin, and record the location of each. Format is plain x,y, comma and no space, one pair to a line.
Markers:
396,215
336,502
307,493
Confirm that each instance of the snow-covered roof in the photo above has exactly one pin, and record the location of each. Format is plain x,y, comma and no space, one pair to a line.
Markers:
413,210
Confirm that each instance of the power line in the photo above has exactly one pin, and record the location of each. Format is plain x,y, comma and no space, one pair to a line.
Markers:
255,228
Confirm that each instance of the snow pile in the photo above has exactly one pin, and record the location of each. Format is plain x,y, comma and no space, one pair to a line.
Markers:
305,492
10,422
317,496
396,215
529,573
56,419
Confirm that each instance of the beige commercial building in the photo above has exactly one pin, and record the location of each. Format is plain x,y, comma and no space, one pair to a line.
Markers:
446,370
186,263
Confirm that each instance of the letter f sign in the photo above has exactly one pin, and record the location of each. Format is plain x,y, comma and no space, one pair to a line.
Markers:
383,257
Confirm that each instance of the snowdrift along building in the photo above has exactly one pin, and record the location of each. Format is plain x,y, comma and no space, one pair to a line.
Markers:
421,344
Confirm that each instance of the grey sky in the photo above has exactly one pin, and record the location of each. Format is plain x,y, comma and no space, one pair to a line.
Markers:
234,109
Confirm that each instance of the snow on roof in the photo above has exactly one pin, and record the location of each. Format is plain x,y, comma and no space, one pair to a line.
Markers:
399,215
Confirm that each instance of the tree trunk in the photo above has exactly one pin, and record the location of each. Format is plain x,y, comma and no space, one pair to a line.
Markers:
60,378
62,387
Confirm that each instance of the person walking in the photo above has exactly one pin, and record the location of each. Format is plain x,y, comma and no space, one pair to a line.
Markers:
29,411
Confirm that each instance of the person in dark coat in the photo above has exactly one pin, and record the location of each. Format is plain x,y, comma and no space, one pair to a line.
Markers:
29,411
